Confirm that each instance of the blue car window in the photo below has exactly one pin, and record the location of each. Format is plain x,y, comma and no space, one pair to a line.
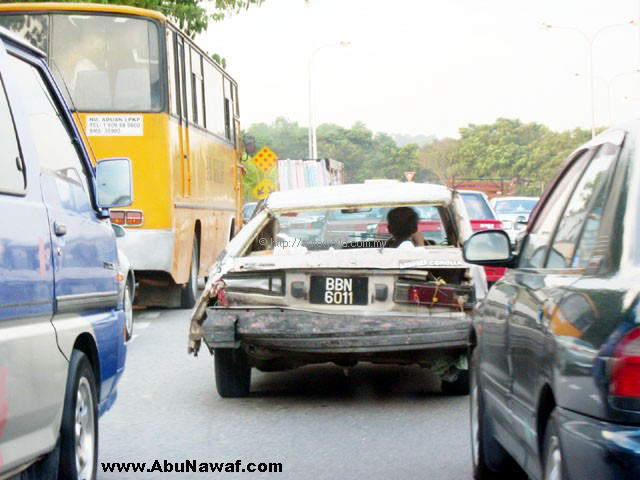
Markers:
54,144
11,168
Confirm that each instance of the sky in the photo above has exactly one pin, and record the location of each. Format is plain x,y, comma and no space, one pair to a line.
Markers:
431,67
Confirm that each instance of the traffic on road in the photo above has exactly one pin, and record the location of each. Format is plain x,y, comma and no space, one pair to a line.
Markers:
176,299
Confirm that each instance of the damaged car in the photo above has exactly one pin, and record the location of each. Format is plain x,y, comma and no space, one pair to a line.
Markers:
274,301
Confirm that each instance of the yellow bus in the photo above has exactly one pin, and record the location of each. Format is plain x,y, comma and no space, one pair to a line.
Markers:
140,88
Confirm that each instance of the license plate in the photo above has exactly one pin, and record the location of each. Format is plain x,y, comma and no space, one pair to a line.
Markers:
339,290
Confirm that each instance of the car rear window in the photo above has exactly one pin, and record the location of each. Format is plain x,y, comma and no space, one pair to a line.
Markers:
477,207
341,228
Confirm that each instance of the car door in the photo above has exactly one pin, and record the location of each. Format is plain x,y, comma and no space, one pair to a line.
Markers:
32,369
540,291
505,306
84,248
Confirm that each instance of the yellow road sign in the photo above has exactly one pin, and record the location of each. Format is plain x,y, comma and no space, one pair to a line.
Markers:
265,159
263,188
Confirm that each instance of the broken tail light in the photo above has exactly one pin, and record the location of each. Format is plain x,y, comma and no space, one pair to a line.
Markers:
435,295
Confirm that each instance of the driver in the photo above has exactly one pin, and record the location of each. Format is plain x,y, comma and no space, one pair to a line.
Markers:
403,225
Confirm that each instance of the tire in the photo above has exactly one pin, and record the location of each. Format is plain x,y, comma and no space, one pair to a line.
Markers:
490,460
189,293
79,430
127,302
233,372
552,458
460,386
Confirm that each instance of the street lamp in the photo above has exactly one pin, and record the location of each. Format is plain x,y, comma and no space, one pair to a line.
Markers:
590,39
609,84
313,144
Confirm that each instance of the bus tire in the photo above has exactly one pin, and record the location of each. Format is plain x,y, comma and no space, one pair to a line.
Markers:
189,293
233,372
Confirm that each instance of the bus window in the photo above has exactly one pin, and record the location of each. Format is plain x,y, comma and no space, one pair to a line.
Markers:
196,86
213,96
174,104
109,63
182,88
236,103
228,111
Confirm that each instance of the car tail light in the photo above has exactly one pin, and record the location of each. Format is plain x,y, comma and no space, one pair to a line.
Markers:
117,217
432,295
134,218
625,369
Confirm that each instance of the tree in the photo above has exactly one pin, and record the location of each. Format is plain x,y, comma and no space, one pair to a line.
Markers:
190,15
437,160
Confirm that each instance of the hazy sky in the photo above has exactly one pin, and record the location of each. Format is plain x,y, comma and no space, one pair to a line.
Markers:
431,67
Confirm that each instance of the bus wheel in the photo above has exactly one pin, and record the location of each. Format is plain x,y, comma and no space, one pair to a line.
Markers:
190,290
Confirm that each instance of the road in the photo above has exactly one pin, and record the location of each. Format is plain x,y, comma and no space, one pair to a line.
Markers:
377,422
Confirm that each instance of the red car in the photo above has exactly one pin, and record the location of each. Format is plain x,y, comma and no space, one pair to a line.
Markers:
482,218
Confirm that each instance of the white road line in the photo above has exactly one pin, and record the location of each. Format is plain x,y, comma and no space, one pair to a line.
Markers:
141,325
149,315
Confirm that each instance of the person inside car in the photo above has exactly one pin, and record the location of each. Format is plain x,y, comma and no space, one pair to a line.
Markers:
403,225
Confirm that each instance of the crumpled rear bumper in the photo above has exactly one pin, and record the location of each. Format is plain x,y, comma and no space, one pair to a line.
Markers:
315,332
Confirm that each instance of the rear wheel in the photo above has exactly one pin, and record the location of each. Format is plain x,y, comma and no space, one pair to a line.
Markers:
79,430
190,290
233,372
490,459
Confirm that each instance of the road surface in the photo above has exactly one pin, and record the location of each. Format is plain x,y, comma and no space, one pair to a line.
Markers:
375,422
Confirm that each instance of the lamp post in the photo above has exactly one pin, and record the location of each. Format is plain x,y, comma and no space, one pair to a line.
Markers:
313,144
590,39
609,84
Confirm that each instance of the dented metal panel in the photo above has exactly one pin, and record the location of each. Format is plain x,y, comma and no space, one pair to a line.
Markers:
303,331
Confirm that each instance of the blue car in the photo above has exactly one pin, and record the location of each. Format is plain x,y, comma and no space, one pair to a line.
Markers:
555,359
62,325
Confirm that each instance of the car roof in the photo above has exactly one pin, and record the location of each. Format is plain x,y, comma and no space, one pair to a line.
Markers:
360,194
18,39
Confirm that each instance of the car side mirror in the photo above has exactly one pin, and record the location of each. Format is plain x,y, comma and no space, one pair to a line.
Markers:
114,185
488,248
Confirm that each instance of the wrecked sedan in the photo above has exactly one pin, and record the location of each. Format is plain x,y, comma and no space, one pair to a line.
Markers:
274,301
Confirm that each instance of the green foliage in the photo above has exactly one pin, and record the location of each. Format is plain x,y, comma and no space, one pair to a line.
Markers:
190,15
219,60
364,154
507,149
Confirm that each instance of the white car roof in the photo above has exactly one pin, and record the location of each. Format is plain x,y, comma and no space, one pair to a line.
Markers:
360,194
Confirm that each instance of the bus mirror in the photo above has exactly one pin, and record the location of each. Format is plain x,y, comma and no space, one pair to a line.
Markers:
114,183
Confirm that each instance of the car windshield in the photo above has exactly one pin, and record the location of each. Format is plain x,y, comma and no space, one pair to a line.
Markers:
523,206
342,228
477,207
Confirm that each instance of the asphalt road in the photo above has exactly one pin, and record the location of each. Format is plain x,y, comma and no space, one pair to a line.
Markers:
377,422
